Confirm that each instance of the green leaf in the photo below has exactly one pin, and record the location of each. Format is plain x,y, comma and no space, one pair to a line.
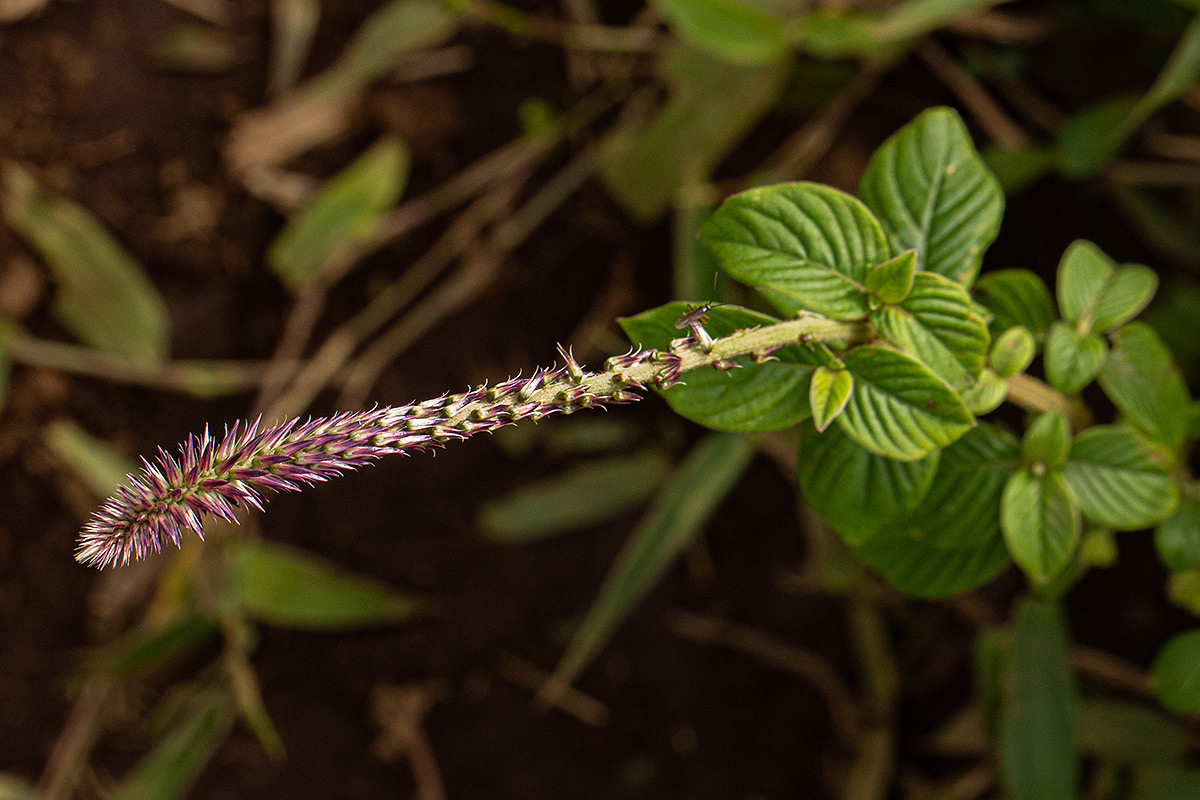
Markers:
755,397
1181,71
962,508
858,492
921,569
677,516
1018,168
1098,295
1040,522
730,29
1012,352
1047,441
102,295
141,651
1175,676
1092,136
833,34
1072,359
1166,783
346,211
828,394
398,27
1039,717
169,770
580,497
1127,733
898,408
806,241
1178,536
1144,382
96,463
1016,297
713,104
933,193
1115,481
289,588
1183,590
936,325
14,788
914,18
892,280
989,391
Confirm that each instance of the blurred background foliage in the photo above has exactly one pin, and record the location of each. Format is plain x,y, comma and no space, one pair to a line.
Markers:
214,209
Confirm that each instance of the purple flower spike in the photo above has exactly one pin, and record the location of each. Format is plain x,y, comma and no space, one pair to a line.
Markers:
172,495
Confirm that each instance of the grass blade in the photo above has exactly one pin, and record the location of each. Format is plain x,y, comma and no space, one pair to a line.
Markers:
678,514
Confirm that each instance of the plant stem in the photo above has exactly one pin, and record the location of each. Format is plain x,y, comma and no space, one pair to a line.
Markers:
1032,394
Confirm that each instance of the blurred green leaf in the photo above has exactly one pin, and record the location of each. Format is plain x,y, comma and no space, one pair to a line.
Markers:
1018,168
989,391
1047,441
1177,538
1175,676
101,467
1183,590
169,770
1166,783
1125,732
289,588
712,105
756,397
810,242
1144,382
933,193
346,211
695,271
914,18
141,651
898,408
677,515
1096,294
1041,523
399,27
579,497
1181,71
923,569
962,509
1160,226
240,638
858,492
1072,359
14,788
1016,297
734,30
1092,136
103,296
1115,481
1039,715
198,48
951,543
1012,352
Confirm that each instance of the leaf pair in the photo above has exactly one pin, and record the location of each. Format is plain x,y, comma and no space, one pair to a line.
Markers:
1105,476
1094,296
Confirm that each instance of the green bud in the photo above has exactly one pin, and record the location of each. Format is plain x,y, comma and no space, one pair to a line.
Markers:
1012,352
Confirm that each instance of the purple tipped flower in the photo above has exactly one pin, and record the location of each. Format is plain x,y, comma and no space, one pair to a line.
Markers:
170,497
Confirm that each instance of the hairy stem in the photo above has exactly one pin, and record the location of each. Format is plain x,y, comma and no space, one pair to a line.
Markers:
170,497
